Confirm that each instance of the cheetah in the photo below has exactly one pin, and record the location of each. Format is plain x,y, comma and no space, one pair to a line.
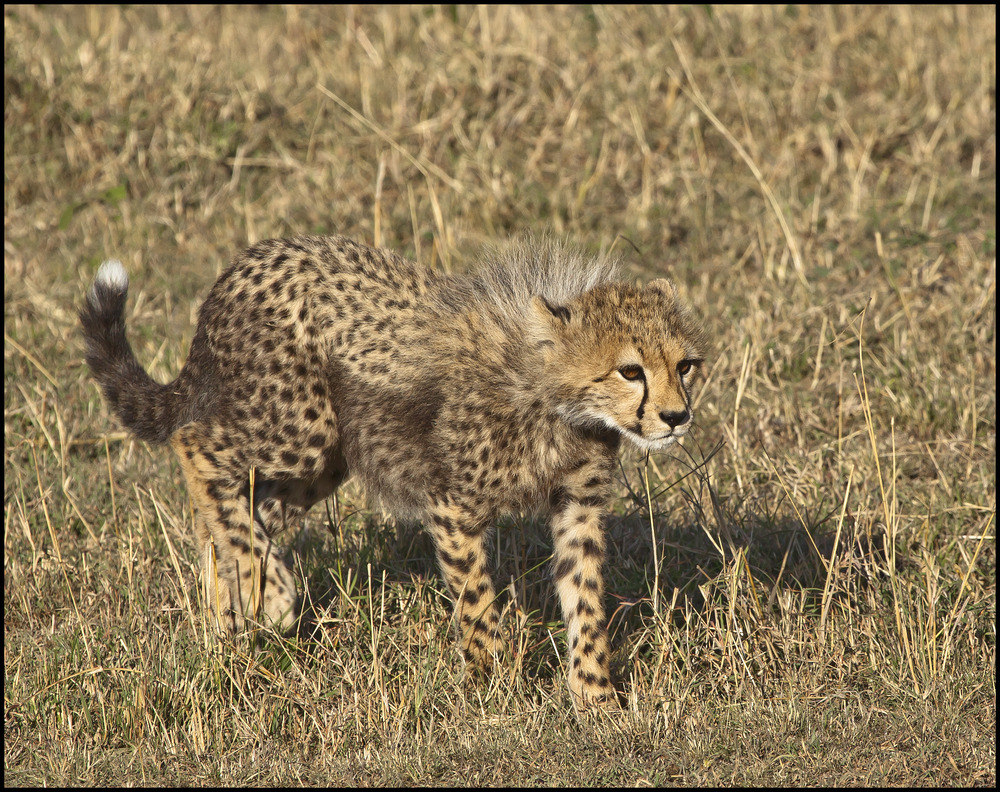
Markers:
455,399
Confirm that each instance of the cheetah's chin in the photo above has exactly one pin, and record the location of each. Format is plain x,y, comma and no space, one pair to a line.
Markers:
652,443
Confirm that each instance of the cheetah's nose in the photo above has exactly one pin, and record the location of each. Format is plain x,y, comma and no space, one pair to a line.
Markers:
674,419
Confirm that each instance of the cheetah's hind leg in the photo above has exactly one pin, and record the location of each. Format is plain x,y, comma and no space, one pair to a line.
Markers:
246,573
280,505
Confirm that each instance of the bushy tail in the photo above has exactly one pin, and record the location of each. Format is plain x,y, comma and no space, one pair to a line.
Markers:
149,410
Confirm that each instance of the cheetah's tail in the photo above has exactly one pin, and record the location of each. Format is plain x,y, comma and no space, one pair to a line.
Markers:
149,410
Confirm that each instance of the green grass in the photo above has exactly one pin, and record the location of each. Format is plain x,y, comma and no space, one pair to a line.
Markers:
805,594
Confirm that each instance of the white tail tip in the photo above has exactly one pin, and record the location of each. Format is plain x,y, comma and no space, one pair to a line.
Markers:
112,274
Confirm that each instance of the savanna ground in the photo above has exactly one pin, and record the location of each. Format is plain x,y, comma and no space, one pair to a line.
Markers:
805,594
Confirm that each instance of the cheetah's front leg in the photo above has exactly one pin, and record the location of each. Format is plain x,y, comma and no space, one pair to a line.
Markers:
577,559
461,552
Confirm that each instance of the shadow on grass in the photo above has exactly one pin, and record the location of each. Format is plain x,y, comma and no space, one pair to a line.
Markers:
691,557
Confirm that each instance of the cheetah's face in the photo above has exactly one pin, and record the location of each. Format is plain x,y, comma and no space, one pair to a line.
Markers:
645,395
625,358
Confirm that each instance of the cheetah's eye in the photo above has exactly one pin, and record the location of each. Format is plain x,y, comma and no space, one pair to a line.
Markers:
685,367
631,372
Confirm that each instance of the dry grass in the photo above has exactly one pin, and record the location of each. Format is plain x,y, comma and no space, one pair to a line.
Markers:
805,596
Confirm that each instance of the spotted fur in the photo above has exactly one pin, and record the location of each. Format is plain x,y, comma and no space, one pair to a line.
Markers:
455,399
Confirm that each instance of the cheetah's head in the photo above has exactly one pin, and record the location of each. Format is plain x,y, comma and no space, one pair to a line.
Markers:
624,357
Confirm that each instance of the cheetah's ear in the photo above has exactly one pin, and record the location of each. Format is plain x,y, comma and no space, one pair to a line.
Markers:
548,312
546,321
664,286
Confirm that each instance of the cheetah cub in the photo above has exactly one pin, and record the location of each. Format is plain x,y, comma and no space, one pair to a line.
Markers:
455,399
